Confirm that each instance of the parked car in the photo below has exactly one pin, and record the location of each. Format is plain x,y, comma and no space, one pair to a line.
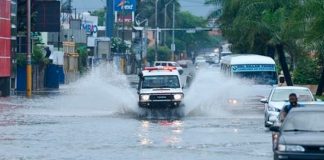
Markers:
301,136
169,64
200,59
278,98
183,63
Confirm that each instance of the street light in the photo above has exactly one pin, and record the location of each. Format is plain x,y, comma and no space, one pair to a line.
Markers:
173,26
165,19
156,31
143,38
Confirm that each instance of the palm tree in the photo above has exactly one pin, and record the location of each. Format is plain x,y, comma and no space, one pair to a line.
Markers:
314,15
257,25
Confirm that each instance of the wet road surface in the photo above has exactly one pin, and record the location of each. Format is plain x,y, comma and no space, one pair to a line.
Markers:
24,136
57,127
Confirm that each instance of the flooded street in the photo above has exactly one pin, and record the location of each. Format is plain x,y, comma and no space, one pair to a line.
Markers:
97,118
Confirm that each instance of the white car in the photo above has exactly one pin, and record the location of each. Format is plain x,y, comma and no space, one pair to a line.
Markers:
279,97
169,64
160,87
200,59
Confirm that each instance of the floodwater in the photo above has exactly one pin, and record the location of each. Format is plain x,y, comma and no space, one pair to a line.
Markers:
97,118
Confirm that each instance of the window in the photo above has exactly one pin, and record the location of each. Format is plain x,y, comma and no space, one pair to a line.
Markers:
164,81
303,95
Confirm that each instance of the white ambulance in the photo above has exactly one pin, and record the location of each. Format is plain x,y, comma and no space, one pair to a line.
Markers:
160,87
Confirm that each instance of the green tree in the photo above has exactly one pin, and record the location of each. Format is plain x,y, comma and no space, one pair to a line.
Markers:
118,46
188,42
101,14
164,54
307,71
184,42
312,13
83,57
263,27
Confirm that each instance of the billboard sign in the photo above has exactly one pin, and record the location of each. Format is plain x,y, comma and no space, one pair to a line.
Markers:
127,18
253,68
90,25
5,38
125,5
47,16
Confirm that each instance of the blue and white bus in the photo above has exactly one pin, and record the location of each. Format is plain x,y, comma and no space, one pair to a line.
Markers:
260,69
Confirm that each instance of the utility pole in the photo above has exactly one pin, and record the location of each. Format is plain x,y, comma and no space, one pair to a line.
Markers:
123,55
165,20
173,26
144,43
156,31
29,67
109,18
123,14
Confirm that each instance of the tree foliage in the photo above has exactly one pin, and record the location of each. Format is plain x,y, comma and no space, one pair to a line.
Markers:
83,57
164,54
118,46
289,27
101,13
185,43
306,71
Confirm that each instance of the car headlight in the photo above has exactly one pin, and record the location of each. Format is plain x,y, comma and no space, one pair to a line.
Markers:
177,97
290,148
145,97
233,101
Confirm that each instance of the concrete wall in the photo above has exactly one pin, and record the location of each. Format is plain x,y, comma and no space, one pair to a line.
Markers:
78,36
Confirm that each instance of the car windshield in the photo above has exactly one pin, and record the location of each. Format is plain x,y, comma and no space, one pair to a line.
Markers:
304,95
262,78
304,121
163,81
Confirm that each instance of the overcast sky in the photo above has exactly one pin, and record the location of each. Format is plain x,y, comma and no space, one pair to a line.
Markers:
196,7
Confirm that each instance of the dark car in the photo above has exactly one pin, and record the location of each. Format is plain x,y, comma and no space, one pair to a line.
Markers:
301,136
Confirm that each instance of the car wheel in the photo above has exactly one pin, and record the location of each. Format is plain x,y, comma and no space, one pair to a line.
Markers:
275,157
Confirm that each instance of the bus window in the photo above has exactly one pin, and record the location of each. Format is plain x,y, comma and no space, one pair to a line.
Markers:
261,77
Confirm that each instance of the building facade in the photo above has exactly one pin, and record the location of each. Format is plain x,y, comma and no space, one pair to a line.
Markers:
5,47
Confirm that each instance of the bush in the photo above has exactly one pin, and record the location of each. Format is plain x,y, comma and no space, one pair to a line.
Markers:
164,54
37,55
21,60
118,46
83,56
307,71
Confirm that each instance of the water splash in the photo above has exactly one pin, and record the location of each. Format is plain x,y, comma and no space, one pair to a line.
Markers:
102,92
210,92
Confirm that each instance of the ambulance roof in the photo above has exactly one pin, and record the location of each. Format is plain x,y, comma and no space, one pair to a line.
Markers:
160,72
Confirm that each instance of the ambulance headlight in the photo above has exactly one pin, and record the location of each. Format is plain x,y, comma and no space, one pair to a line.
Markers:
233,101
145,97
178,97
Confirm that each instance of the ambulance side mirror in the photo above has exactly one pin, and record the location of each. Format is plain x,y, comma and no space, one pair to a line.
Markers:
180,72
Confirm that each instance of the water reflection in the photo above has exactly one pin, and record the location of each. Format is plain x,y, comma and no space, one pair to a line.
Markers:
165,133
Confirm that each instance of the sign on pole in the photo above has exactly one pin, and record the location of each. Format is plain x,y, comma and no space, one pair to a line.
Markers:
125,5
173,47
191,31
